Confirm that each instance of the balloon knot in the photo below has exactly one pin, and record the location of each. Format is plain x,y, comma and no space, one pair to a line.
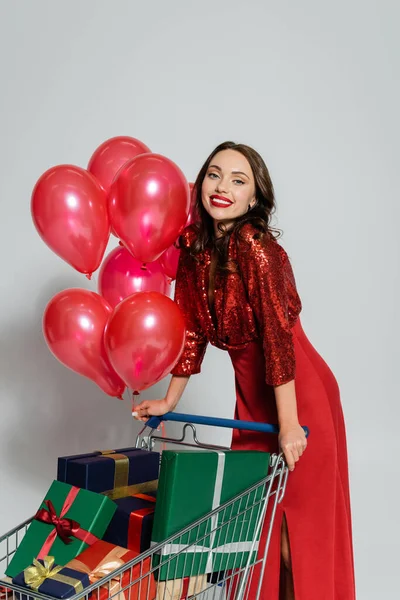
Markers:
135,393
143,267
89,276
120,243
120,397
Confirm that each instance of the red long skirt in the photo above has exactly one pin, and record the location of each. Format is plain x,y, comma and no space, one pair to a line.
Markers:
317,500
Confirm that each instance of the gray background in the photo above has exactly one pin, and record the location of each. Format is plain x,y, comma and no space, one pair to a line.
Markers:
314,87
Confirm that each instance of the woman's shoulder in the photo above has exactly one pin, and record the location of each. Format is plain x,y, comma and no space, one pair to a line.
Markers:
252,238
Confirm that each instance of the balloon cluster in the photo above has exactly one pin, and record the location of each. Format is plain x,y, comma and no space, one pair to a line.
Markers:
130,333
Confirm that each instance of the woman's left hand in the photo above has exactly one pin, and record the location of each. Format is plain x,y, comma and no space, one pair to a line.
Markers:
293,442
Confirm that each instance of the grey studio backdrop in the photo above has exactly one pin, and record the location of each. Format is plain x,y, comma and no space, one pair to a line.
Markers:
314,87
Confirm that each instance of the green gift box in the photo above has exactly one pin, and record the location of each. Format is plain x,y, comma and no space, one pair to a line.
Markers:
68,521
192,484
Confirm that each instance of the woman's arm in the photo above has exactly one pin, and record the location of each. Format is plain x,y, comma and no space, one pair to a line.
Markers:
156,408
292,438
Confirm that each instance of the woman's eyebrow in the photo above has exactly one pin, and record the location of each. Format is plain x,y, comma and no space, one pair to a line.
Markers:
233,172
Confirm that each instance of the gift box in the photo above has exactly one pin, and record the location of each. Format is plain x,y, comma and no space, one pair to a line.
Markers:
64,461
102,559
115,473
68,521
132,523
180,589
46,577
192,484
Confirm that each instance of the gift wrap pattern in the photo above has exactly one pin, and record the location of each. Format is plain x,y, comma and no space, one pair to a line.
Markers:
68,521
194,483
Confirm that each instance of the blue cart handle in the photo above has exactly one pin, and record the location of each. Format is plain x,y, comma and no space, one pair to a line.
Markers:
154,422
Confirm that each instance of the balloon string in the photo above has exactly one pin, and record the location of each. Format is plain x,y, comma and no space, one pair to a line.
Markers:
162,427
135,395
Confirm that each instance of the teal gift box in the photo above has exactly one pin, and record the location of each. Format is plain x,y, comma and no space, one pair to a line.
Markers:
67,522
192,484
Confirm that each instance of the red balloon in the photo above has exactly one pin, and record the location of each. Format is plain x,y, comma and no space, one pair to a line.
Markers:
109,157
169,261
69,210
192,216
144,338
121,275
73,325
170,258
149,203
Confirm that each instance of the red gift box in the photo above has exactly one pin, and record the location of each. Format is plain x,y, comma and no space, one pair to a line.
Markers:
101,559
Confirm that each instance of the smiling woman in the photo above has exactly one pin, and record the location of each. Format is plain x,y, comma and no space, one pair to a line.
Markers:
228,193
236,288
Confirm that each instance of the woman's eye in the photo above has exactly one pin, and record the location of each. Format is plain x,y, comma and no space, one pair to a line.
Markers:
238,181
211,175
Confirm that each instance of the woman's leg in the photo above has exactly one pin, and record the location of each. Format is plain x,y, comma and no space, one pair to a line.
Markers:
287,589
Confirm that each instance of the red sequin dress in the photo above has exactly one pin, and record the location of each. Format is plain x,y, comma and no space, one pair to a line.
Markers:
254,315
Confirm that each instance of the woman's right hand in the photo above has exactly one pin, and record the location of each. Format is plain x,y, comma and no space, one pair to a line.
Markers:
151,408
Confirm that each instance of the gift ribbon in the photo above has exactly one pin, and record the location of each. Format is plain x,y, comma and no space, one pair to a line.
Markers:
64,528
230,547
132,490
136,521
36,575
121,473
238,546
111,561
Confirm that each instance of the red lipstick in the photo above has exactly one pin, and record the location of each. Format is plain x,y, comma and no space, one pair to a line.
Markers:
220,201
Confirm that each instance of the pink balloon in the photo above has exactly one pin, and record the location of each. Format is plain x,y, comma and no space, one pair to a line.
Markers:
149,204
144,338
73,325
121,275
69,210
109,157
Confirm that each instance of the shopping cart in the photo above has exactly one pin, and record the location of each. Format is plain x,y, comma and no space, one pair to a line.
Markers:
228,574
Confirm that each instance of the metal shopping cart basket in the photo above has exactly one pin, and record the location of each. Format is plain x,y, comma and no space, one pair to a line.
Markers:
222,581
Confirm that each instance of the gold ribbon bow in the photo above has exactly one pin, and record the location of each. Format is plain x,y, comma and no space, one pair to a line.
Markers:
37,574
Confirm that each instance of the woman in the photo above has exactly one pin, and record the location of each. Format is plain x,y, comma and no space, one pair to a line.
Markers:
236,288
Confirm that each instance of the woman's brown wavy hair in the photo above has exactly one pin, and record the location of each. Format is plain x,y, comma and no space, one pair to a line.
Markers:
259,215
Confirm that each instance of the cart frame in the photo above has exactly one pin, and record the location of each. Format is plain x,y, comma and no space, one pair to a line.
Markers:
188,545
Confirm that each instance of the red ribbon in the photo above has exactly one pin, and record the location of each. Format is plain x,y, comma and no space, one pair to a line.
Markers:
64,528
135,522
185,588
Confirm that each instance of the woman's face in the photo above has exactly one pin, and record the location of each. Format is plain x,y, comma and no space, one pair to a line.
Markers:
228,187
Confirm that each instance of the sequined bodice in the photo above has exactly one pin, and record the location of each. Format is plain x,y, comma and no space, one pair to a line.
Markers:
231,309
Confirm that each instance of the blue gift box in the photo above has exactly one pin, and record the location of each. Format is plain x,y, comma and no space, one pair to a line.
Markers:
56,586
132,523
112,472
64,461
